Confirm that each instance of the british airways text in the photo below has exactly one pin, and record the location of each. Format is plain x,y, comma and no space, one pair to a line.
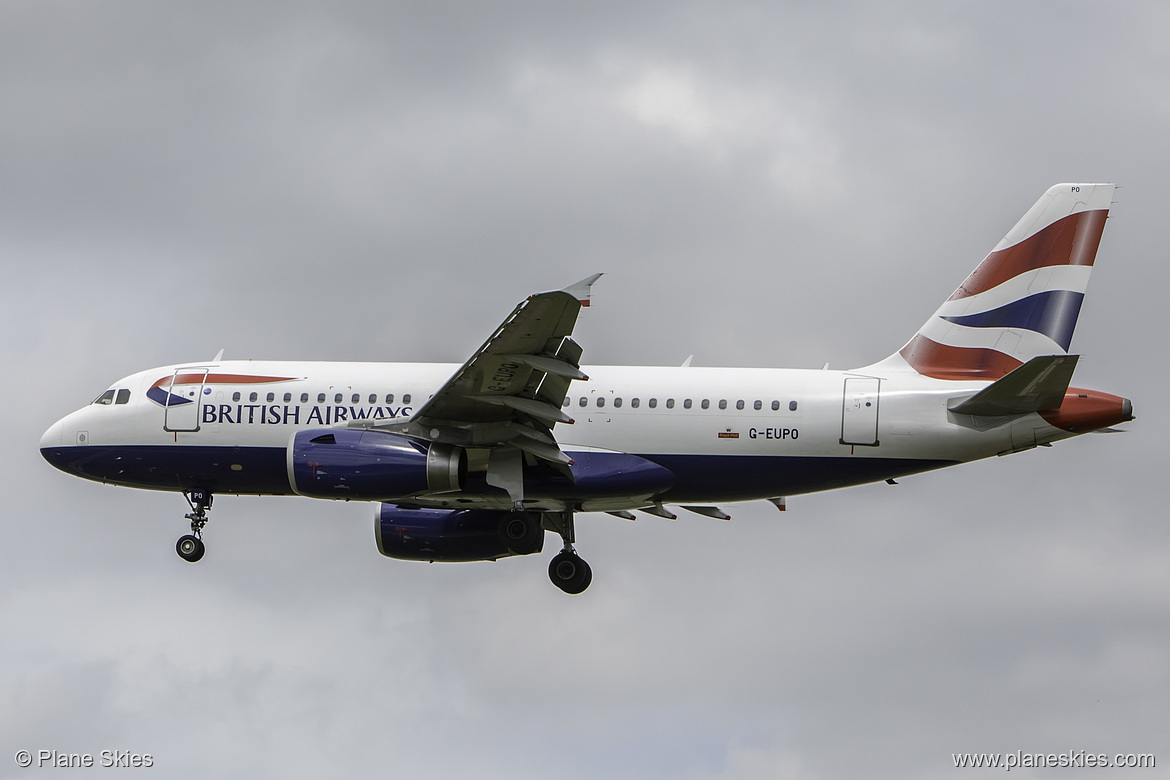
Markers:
293,414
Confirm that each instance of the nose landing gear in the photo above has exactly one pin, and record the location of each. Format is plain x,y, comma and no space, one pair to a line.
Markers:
190,546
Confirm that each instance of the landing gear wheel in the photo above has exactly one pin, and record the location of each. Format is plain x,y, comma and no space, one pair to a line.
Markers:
190,548
569,573
522,532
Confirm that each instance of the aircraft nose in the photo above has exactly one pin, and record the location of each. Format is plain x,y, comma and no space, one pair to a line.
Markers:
52,437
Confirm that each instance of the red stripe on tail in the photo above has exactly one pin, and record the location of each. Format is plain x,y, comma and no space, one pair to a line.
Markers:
940,361
1072,240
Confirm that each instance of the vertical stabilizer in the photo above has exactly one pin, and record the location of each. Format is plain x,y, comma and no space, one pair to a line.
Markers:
1022,301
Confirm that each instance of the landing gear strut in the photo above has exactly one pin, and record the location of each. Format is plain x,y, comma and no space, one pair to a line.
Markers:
567,570
190,546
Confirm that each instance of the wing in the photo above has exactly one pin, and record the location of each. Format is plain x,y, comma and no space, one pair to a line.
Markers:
510,393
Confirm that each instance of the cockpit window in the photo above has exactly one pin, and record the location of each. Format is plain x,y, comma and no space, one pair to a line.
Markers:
123,397
105,399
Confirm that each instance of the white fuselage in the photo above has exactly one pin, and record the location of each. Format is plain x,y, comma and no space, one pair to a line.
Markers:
729,433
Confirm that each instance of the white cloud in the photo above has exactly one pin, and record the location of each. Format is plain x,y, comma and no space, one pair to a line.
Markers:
775,129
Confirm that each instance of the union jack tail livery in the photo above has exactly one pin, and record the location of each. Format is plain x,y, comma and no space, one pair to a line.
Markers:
1023,299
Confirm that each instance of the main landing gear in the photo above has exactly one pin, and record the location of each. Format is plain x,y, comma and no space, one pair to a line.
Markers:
190,546
567,570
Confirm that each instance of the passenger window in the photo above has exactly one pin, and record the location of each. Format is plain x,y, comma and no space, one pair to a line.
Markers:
236,396
635,402
706,404
271,397
722,403
406,398
775,406
758,405
584,401
252,398
304,398
287,397
687,404
617,402
566,402
123,397
337,398
373,398
669,403
739,405
320,398
389,398
653,403
792,406
600,401
356,398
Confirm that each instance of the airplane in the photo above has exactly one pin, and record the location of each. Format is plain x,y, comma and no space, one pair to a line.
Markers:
478,461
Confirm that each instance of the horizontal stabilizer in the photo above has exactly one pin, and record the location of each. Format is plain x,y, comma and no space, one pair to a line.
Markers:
1036,386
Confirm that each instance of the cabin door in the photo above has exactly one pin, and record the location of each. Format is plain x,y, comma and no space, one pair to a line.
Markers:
859,416
184,399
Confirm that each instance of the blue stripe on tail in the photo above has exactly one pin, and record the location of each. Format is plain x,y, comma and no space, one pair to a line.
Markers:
1053,313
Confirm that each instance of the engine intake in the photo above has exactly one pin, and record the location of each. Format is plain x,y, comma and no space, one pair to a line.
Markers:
456,534
371,465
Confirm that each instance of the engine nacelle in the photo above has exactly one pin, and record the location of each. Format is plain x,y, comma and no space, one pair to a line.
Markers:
456,534
371,465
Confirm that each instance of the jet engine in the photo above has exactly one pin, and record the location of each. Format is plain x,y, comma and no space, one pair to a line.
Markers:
456,534
371,465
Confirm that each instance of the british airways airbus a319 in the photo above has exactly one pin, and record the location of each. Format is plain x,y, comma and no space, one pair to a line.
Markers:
477,462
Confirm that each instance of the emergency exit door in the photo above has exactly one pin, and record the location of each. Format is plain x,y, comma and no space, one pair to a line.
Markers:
859,415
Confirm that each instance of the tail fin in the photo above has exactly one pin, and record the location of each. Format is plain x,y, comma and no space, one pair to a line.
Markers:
1022,301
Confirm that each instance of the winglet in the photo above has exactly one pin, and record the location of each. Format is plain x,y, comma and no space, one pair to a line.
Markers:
580,290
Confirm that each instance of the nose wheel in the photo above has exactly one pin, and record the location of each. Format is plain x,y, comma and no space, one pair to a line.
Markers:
190,546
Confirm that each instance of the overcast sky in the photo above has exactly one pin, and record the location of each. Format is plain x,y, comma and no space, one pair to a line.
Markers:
765,184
